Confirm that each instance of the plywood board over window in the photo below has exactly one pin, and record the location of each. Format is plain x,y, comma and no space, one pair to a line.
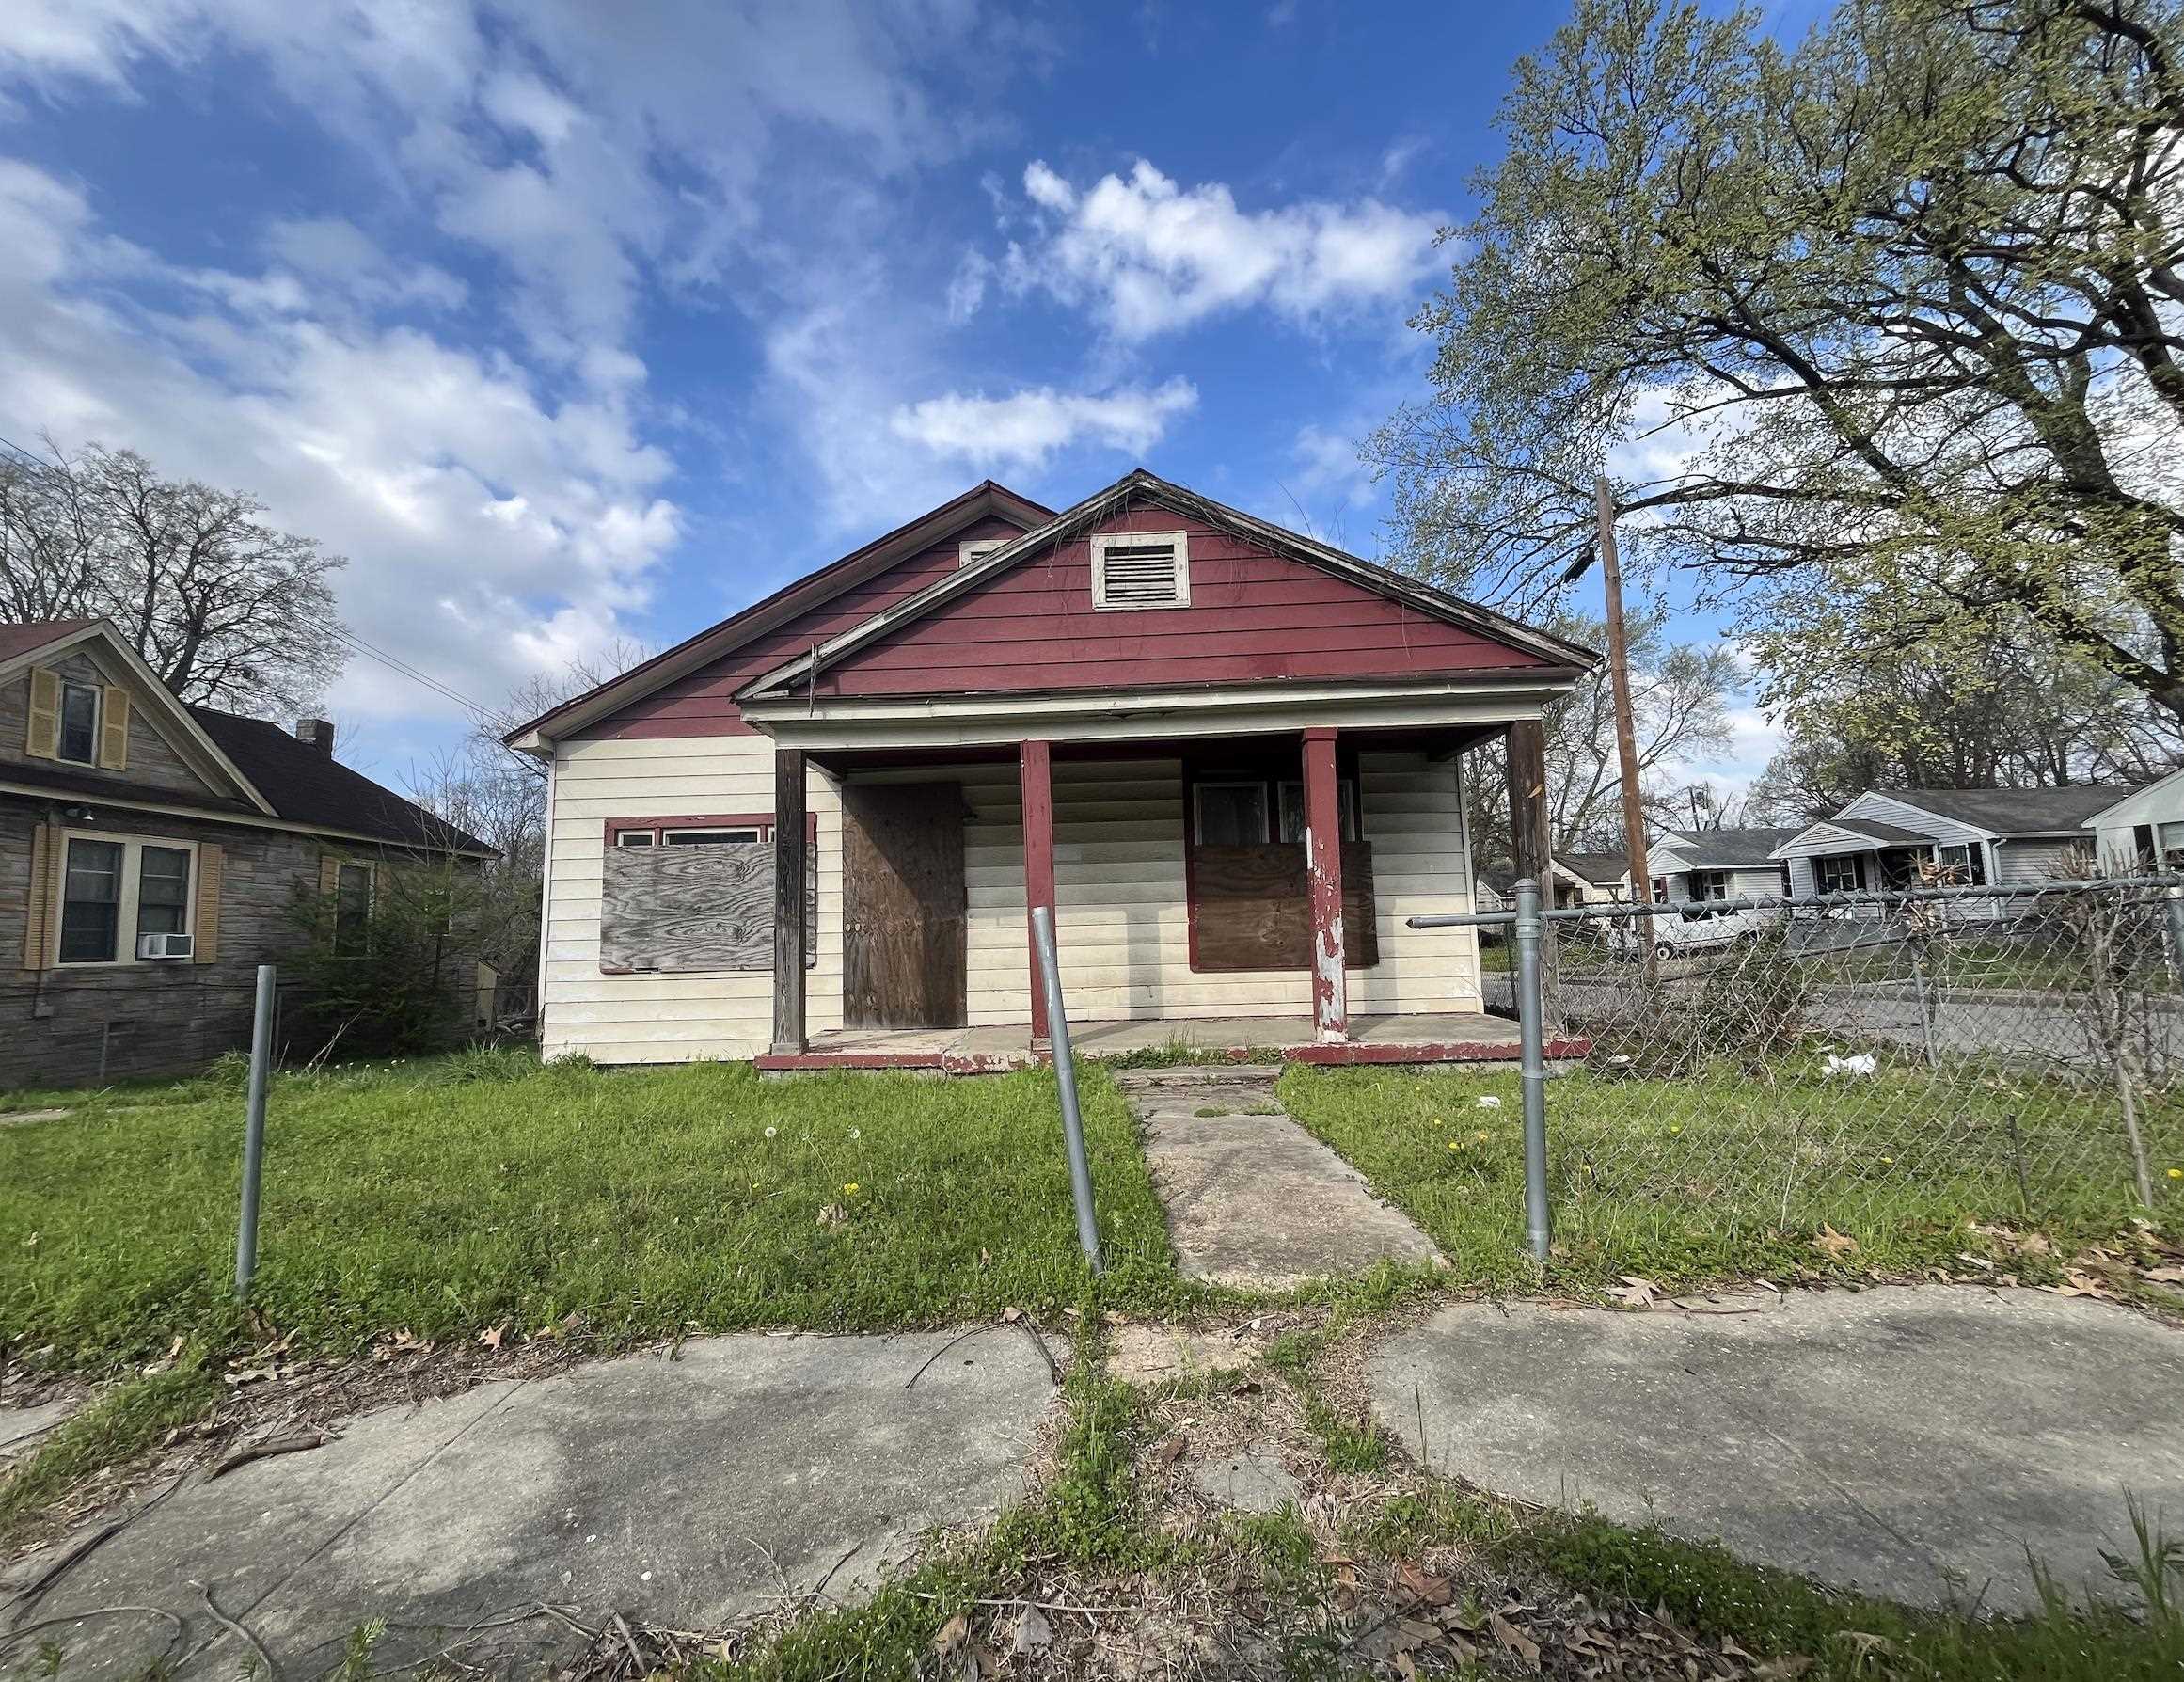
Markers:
666,909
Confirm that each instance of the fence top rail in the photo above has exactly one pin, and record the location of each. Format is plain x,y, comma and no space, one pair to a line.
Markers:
1610,910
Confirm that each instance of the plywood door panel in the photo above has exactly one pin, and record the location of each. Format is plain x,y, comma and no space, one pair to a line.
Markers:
903,906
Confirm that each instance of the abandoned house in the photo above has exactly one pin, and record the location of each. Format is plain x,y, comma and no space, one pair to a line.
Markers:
1230,758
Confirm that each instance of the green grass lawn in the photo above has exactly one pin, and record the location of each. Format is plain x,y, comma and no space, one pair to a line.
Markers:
1725,1175
450,1195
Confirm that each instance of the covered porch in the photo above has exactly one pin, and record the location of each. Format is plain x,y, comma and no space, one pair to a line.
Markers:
1231,879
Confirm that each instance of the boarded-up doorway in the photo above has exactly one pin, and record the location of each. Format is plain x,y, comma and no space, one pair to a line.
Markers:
902,905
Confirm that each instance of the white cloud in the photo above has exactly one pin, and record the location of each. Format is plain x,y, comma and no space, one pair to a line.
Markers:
490,528
1026,428
1328,465
1151,257
967,290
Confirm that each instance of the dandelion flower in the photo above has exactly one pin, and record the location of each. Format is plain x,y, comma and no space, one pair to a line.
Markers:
769,1133
1454,1146
1483,1137
2176,1173
1675,1127
849,1189
856,1133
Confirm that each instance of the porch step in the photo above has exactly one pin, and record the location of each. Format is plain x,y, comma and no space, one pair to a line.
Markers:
1199,1075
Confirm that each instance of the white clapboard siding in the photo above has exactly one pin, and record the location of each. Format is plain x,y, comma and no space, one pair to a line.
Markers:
660,1019
1124,925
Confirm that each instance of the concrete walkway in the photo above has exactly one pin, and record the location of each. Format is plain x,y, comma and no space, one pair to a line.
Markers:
1907,1442
686,1491
1253,1199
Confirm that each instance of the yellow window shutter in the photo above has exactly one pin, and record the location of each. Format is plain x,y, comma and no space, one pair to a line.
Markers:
43,843
205,924
43,741
114,729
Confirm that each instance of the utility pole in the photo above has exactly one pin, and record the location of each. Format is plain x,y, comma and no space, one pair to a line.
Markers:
1634,815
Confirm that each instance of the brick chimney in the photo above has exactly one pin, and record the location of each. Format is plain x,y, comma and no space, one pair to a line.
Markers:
318,732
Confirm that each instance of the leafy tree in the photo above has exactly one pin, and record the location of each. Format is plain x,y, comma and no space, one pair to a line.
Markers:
229,610
1904,299
398,980
1987,703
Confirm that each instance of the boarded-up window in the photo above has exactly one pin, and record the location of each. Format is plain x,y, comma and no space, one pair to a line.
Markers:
1252,910
686,907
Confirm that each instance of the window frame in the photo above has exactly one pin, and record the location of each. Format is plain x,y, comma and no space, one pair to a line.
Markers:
342,867
1266,813
623,832
126,904
1101,542
977,548
1973,862
74,686
1822,871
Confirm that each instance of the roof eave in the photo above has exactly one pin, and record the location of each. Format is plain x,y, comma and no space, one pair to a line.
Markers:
537,737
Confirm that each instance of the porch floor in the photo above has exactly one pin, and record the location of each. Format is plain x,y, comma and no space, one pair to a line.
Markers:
1451,1037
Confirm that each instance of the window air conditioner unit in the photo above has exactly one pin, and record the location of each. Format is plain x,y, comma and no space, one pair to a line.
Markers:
163,945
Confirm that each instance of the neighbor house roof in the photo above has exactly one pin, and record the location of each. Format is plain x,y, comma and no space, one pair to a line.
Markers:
2014,811
307,784
1601,869
1724,849
272,773
1885,835
24,638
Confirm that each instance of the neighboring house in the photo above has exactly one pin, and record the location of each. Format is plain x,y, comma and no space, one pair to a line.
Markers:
1227,755
150,853
1717,864
1589,877
2146,826
1967,838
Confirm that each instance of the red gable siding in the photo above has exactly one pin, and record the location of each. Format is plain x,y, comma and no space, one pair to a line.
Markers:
703,703
1254,615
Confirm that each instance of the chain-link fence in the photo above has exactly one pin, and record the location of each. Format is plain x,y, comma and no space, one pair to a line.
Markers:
1861,1061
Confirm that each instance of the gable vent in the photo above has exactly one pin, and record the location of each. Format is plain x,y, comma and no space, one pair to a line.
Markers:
1140,569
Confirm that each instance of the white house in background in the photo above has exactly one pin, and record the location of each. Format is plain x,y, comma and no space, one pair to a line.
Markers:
2007,837
2146,824
1716,864
1589,877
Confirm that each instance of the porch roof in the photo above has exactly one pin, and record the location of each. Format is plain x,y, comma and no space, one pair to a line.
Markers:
1483,701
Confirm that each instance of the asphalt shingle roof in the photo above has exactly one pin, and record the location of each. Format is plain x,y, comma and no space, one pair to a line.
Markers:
1724,849
306,785
1601,869
2015,811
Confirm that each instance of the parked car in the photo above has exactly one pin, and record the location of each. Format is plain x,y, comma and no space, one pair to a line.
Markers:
1685,934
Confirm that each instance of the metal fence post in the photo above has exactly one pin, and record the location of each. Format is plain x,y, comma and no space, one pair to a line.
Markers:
1065,1078
254,1127
1530,1009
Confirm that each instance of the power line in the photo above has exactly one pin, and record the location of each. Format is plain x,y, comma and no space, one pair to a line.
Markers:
402,668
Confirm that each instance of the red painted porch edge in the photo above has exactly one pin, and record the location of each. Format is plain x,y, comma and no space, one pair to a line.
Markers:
1035,762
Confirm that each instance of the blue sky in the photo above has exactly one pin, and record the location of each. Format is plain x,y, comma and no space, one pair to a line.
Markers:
570,322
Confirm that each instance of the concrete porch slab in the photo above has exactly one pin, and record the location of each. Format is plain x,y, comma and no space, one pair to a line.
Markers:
1421,1037
688,1491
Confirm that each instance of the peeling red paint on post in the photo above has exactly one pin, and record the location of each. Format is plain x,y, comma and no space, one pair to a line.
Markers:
1034,760
1323,878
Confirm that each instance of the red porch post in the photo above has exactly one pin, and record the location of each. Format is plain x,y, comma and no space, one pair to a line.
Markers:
1323,875
1035,762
